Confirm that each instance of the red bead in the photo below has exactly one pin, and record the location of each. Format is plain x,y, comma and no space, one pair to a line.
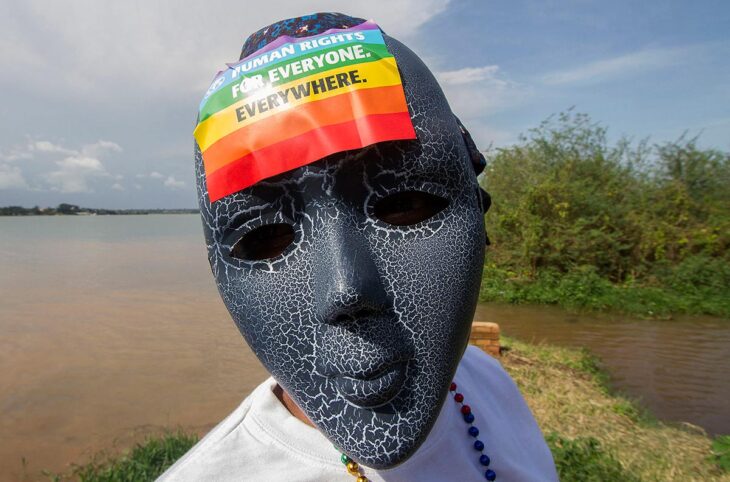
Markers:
452,387
465,409
459,397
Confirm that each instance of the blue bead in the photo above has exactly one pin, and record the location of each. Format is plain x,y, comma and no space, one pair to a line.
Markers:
484,460
473,431
468,417
490,475
478,445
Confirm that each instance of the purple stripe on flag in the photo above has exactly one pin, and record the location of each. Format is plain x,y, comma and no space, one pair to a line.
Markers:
368,25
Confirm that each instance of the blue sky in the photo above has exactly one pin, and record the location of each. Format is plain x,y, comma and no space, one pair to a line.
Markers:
98,99
641,68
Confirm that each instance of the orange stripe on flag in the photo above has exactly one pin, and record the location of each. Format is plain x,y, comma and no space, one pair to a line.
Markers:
307,148
293,122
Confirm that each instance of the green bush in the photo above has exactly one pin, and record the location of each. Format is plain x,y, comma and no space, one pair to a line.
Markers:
583,460
696,273
586,224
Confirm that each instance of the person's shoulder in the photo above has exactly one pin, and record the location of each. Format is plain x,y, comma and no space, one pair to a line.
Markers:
479,369
211,457
476,363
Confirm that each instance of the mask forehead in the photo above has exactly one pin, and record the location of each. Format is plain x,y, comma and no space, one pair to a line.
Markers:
354,298
438,151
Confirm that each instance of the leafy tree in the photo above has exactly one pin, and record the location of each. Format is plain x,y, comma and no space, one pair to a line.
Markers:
565,200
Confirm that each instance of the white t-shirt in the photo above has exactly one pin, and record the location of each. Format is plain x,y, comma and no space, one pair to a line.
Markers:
262,441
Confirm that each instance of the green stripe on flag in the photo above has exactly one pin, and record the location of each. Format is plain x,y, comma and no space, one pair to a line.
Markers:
224,97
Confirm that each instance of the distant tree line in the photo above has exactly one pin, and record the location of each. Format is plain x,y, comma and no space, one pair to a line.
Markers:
72,209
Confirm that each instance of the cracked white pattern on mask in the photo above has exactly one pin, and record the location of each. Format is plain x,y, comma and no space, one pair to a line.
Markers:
352,295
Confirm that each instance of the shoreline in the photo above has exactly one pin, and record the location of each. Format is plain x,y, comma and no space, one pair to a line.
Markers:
587,292
7,212
593,433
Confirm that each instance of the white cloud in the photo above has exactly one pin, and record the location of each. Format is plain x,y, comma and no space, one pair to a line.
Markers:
11,177
117,187
397,18
168,181
623,65
46,146
74,174
468,75
173,183
16,154
169,50
82,163
57,167
99,148
477,92
35,148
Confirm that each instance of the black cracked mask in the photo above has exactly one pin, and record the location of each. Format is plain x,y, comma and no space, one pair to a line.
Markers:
354,279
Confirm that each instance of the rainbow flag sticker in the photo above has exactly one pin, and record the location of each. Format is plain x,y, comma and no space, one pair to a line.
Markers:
296,101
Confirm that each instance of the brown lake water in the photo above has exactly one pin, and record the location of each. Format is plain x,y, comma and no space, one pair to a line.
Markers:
111,328
679,369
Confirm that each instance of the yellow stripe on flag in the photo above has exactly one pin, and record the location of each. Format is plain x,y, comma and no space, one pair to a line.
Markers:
380,73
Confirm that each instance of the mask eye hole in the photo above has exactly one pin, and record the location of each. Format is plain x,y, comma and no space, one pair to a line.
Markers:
264,242
409,207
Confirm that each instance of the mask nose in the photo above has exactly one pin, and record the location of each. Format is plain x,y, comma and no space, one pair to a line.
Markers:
349,287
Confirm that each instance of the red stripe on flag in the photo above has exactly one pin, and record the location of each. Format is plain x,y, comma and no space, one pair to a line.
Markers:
303,118
307,148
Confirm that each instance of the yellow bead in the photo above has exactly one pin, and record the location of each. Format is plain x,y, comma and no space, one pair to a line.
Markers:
353,468
362,478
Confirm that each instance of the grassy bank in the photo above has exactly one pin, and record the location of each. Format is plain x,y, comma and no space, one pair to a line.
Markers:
583,289
597,436
144,462
594,436
584,223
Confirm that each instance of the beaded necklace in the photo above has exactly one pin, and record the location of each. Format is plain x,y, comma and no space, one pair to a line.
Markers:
354,469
